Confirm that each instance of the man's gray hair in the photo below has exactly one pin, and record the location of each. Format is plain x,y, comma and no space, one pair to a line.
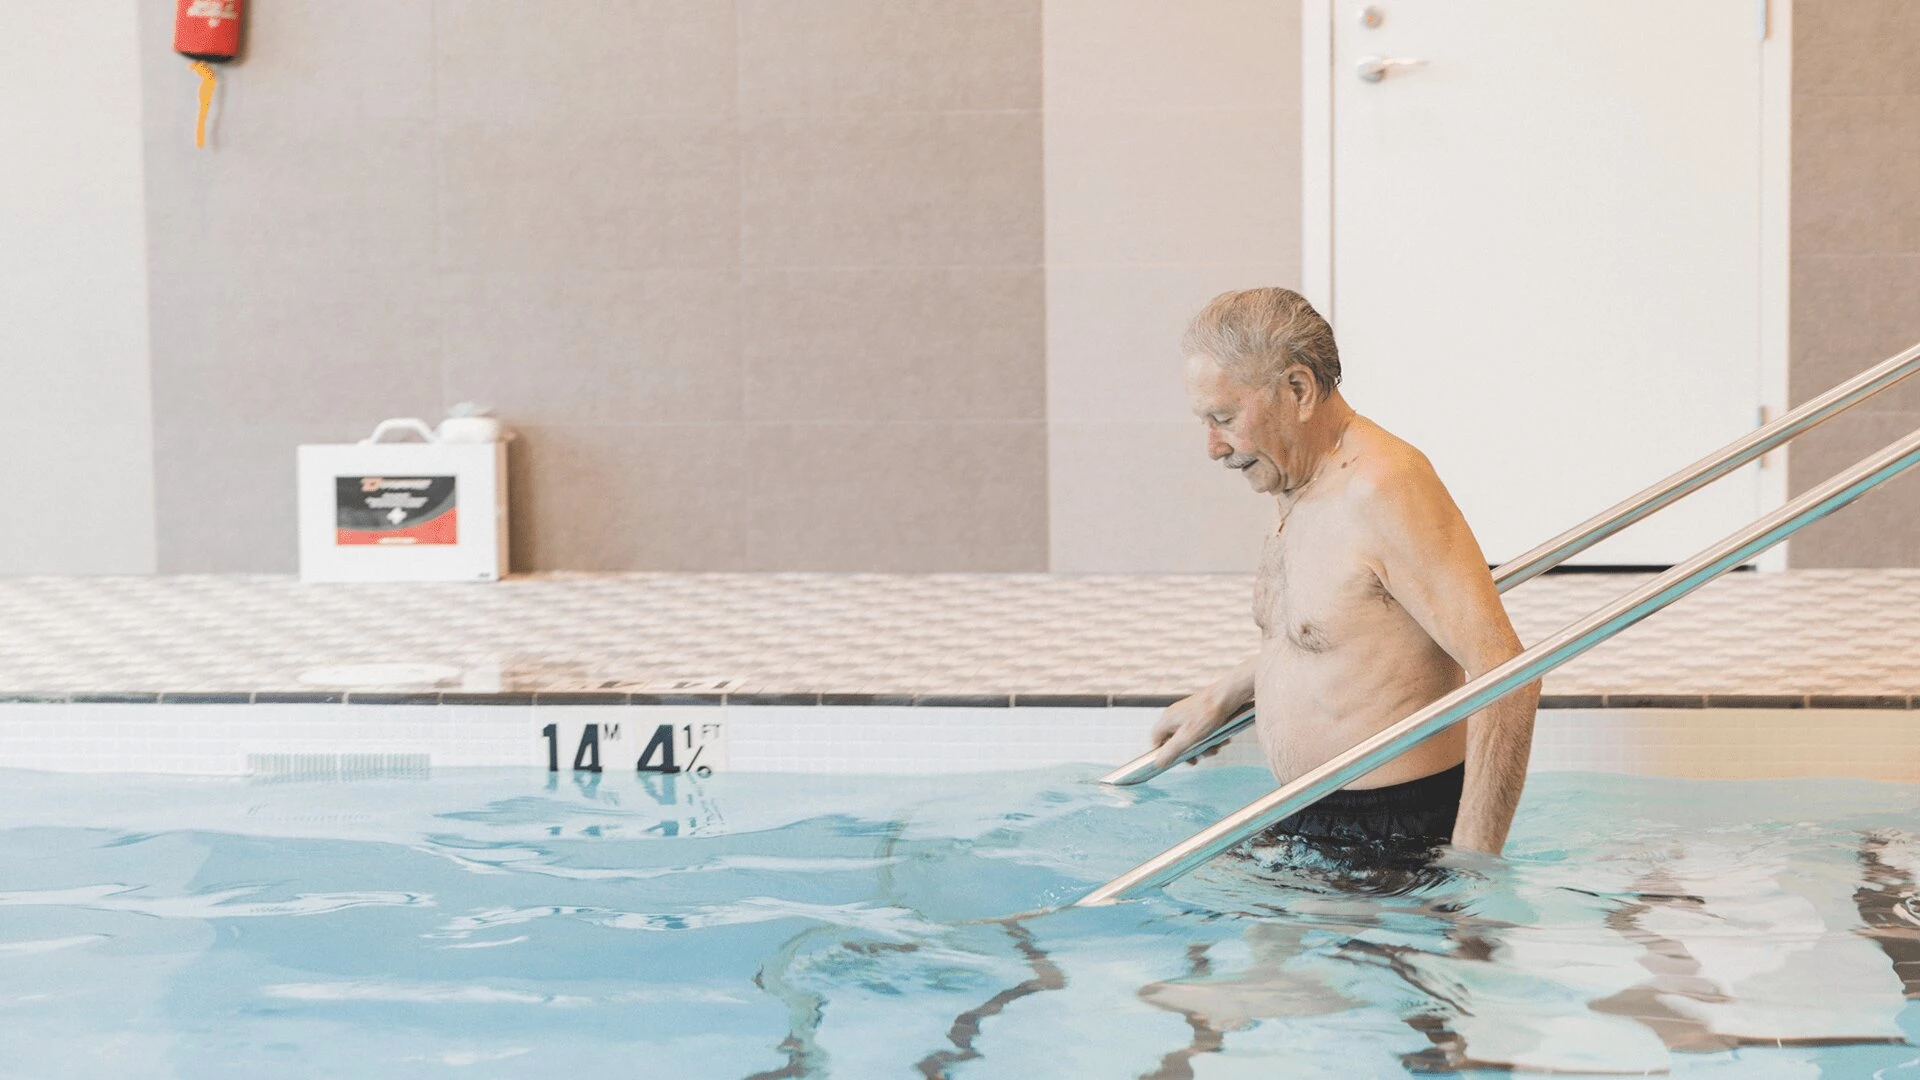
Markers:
1255,334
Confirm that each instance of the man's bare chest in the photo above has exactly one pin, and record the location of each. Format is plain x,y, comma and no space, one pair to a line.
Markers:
1316,592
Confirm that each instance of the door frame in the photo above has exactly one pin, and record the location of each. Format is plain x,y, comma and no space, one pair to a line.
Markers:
1773,27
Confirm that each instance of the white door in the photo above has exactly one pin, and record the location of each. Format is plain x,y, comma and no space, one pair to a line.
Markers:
1546,253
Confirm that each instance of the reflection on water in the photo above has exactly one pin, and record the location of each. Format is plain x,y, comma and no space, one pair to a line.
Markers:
1315,919
1887,903
794,927
1608,960
1709,945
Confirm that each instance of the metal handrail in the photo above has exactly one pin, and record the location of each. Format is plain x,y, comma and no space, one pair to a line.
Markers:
1569,642
1809,415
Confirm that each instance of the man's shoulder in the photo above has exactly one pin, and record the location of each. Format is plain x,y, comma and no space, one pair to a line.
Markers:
1388,470
1397,501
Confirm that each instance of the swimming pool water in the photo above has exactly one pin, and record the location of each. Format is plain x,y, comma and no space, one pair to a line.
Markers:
506,923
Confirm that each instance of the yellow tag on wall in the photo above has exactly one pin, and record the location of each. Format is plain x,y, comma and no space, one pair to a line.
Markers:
207,80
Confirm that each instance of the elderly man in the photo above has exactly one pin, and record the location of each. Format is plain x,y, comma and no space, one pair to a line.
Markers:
1373,597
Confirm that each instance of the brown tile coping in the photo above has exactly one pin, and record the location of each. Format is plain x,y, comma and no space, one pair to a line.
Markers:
1145,701
299,697
578,697
676,699
115,698
494,699
1572,701
773,699
383,697
198,698
1861,701
1756,701
1656,701
894,700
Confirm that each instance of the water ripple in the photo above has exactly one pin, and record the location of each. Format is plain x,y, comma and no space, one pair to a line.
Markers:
215,905
895,923
360,990
22,948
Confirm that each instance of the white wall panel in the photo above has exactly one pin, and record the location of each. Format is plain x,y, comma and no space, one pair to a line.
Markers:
76,461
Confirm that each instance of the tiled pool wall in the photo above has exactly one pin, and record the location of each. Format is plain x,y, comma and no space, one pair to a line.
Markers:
401,735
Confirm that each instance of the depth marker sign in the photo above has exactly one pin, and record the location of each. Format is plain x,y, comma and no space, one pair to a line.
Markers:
665,748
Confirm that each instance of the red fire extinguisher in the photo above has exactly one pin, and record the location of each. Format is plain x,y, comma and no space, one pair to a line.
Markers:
206,31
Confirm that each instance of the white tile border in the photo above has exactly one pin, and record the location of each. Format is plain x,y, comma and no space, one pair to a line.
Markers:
222,740
929,740
1868,744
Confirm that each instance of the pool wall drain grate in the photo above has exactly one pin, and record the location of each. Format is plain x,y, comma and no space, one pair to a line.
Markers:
302,767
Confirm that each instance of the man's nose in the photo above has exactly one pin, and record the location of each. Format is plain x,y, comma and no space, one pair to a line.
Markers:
1217,447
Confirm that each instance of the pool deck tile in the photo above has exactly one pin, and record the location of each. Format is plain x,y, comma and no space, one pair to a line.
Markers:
1798,639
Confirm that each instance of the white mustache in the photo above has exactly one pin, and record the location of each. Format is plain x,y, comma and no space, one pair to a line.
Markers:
1238,461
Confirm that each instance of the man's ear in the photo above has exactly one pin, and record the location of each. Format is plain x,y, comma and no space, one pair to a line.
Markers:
1300,389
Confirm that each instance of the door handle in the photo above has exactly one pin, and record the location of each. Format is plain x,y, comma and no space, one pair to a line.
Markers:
1375,68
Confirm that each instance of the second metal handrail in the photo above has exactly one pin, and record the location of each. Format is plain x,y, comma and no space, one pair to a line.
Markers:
1753,444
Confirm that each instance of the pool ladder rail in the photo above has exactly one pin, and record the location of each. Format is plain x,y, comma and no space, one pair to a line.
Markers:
1567,643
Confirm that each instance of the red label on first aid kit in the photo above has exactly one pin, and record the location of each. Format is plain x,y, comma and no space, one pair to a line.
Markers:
403,510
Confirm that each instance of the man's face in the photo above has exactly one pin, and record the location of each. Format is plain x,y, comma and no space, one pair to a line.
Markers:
1247,427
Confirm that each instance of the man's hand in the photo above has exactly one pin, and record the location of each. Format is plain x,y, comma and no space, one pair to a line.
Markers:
1185,723
1193,718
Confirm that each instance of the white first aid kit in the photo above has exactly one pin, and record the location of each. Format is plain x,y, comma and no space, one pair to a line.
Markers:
432,509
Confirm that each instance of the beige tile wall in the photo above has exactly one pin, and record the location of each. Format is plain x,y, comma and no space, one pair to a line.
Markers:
759,282
798,284
291,265
891,239
1856,258
1172,171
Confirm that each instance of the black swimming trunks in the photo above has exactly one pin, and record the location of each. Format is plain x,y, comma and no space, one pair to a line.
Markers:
1377,840
1419,812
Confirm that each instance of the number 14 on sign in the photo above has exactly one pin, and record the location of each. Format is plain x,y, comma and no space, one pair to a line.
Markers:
661,748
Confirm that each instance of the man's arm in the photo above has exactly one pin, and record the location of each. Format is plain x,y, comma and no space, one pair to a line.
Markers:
1193,718
1433,567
